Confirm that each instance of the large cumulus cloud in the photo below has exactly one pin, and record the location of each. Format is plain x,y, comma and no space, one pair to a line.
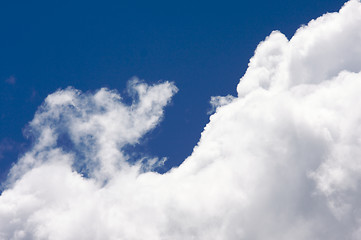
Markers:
280,161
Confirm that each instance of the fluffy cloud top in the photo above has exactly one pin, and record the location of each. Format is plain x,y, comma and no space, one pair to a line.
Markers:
280,161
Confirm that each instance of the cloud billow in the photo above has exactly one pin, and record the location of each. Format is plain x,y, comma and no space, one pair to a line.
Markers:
280,161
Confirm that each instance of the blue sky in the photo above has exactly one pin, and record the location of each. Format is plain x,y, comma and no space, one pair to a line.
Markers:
204,47
256,106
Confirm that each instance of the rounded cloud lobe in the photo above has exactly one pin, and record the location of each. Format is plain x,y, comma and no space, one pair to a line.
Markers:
280,161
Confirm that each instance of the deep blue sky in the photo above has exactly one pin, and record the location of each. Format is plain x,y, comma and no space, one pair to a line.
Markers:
202,46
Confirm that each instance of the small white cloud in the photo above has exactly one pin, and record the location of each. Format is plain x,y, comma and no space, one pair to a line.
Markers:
219,101
280,161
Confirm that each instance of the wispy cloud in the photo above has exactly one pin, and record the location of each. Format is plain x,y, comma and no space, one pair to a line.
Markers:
10,80
6,145
280,161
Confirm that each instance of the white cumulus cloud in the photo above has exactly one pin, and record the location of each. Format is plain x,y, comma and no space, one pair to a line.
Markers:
280,161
